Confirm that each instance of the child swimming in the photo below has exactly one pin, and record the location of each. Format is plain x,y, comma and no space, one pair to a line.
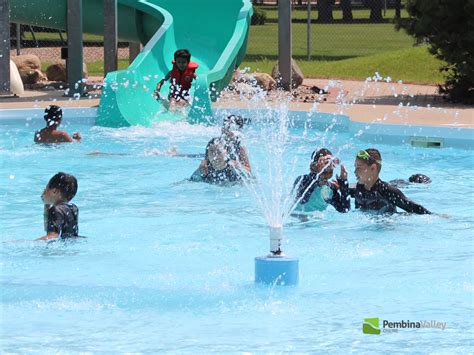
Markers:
61,215
373,194
221,170
231,138
413,179
50,134
314,192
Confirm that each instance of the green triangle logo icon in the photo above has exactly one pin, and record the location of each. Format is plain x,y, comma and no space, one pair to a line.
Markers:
371,326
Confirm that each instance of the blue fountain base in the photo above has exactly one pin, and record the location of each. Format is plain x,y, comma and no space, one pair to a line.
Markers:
276,270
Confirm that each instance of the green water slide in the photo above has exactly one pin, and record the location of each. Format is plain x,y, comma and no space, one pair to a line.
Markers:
214,31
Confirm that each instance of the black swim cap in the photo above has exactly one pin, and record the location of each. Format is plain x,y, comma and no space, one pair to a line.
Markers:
419,178
53,113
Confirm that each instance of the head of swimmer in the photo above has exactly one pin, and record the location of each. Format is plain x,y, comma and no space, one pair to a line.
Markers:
368,164
61,187
323,163
216,154
232,124
53,116
181,58
419,179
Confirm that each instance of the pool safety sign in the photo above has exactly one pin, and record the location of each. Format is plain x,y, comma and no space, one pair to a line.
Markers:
372,325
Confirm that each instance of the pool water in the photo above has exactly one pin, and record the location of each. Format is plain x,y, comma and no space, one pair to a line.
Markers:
168,265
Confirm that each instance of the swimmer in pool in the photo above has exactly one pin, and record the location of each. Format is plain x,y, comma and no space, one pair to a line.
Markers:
221,170
314,191
53,116
373,194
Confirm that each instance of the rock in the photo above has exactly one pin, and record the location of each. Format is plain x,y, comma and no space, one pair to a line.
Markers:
265,81
31,76
26,62
297,76
29,67
58,71
242,78
245,89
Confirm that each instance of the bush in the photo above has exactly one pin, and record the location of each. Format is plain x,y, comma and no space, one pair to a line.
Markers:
259,17
448,28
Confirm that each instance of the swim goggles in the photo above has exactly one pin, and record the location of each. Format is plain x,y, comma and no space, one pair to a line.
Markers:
366,156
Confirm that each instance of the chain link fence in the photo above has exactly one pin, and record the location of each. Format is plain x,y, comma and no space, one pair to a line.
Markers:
329,30
322,30
46,44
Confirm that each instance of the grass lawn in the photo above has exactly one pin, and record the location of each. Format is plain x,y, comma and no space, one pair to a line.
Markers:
412,65
299,13
329,42
54,36
342,51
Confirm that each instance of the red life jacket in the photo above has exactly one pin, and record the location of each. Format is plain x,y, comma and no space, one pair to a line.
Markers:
183,79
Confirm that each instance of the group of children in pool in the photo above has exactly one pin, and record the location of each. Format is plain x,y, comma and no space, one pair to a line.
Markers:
226,162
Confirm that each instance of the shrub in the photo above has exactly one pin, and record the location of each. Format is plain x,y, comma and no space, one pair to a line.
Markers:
448,28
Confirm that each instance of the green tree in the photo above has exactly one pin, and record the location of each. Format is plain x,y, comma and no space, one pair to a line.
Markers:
448,27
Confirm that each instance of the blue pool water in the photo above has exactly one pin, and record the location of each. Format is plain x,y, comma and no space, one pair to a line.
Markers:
168,264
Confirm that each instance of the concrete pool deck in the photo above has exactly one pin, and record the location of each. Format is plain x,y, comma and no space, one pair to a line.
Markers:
370,102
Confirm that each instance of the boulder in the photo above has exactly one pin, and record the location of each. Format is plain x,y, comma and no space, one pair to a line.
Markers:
265,81
31,76
26,62
297,76
58,71
29,67
245,89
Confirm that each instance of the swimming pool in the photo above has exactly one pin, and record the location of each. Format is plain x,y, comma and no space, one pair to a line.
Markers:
168,264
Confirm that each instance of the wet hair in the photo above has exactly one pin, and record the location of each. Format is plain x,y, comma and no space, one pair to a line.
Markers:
53,113
375,158
320,153
419,178
235,120
65,183
212,142
182,53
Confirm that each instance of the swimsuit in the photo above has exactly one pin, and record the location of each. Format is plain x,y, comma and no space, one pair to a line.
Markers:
384,198
315,197
63,219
